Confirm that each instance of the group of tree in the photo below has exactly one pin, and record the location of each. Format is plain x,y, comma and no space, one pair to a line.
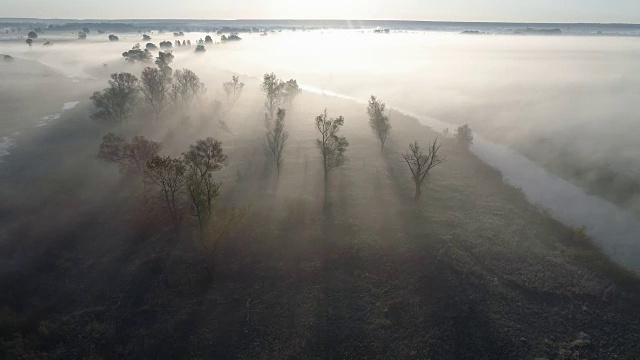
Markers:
166,44
200,49
278,92
82,35
232,37
179,185
157,88
136,54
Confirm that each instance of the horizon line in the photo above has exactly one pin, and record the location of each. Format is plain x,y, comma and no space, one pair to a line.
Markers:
307,19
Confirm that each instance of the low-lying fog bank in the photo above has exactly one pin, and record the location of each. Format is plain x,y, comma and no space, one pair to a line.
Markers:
560,101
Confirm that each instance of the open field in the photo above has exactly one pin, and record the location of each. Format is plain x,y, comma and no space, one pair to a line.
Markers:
357,270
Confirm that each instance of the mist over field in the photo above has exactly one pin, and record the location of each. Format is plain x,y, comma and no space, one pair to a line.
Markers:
517,238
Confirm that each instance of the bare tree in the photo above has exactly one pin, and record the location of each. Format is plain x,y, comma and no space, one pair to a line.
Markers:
332,147
131,157
155,85
186,87
420,163
464,135
274,90
378,120
202,160
117,102
276,137
233,89
165,177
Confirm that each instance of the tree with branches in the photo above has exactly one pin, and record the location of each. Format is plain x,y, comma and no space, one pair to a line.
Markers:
131,157
378,120
202,160
233,89
274,90
276,137
165,179
156,86
186,87
420,163
332,147
117,102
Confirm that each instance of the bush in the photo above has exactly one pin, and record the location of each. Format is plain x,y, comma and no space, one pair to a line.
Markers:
200,49
113,38
580,235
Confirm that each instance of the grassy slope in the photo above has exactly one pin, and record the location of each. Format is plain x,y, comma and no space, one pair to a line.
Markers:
472,271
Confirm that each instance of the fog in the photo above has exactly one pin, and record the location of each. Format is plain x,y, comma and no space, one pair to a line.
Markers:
555,148
563,102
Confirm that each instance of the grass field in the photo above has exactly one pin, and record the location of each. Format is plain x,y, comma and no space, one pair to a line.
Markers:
359,270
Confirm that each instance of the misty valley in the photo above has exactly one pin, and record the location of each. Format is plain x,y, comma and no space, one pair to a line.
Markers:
291,189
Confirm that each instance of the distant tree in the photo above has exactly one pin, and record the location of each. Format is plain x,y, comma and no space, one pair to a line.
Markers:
131,157
202,160
82,36
184,42
276,137
47,43
166,44
208,39
291,91
32,35
188,42
186,87
146,37
200,49
151,46
136,54
165,179
378,120
155,85
86,30
233,89
332,147
8,58
464,135
113,38
420,163
117,102
101,32
163,61
29,42
232,37
274,89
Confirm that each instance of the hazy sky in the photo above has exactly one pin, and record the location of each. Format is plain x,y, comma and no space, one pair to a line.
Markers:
627,11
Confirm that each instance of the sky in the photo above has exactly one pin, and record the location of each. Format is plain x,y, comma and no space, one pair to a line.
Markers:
602,11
